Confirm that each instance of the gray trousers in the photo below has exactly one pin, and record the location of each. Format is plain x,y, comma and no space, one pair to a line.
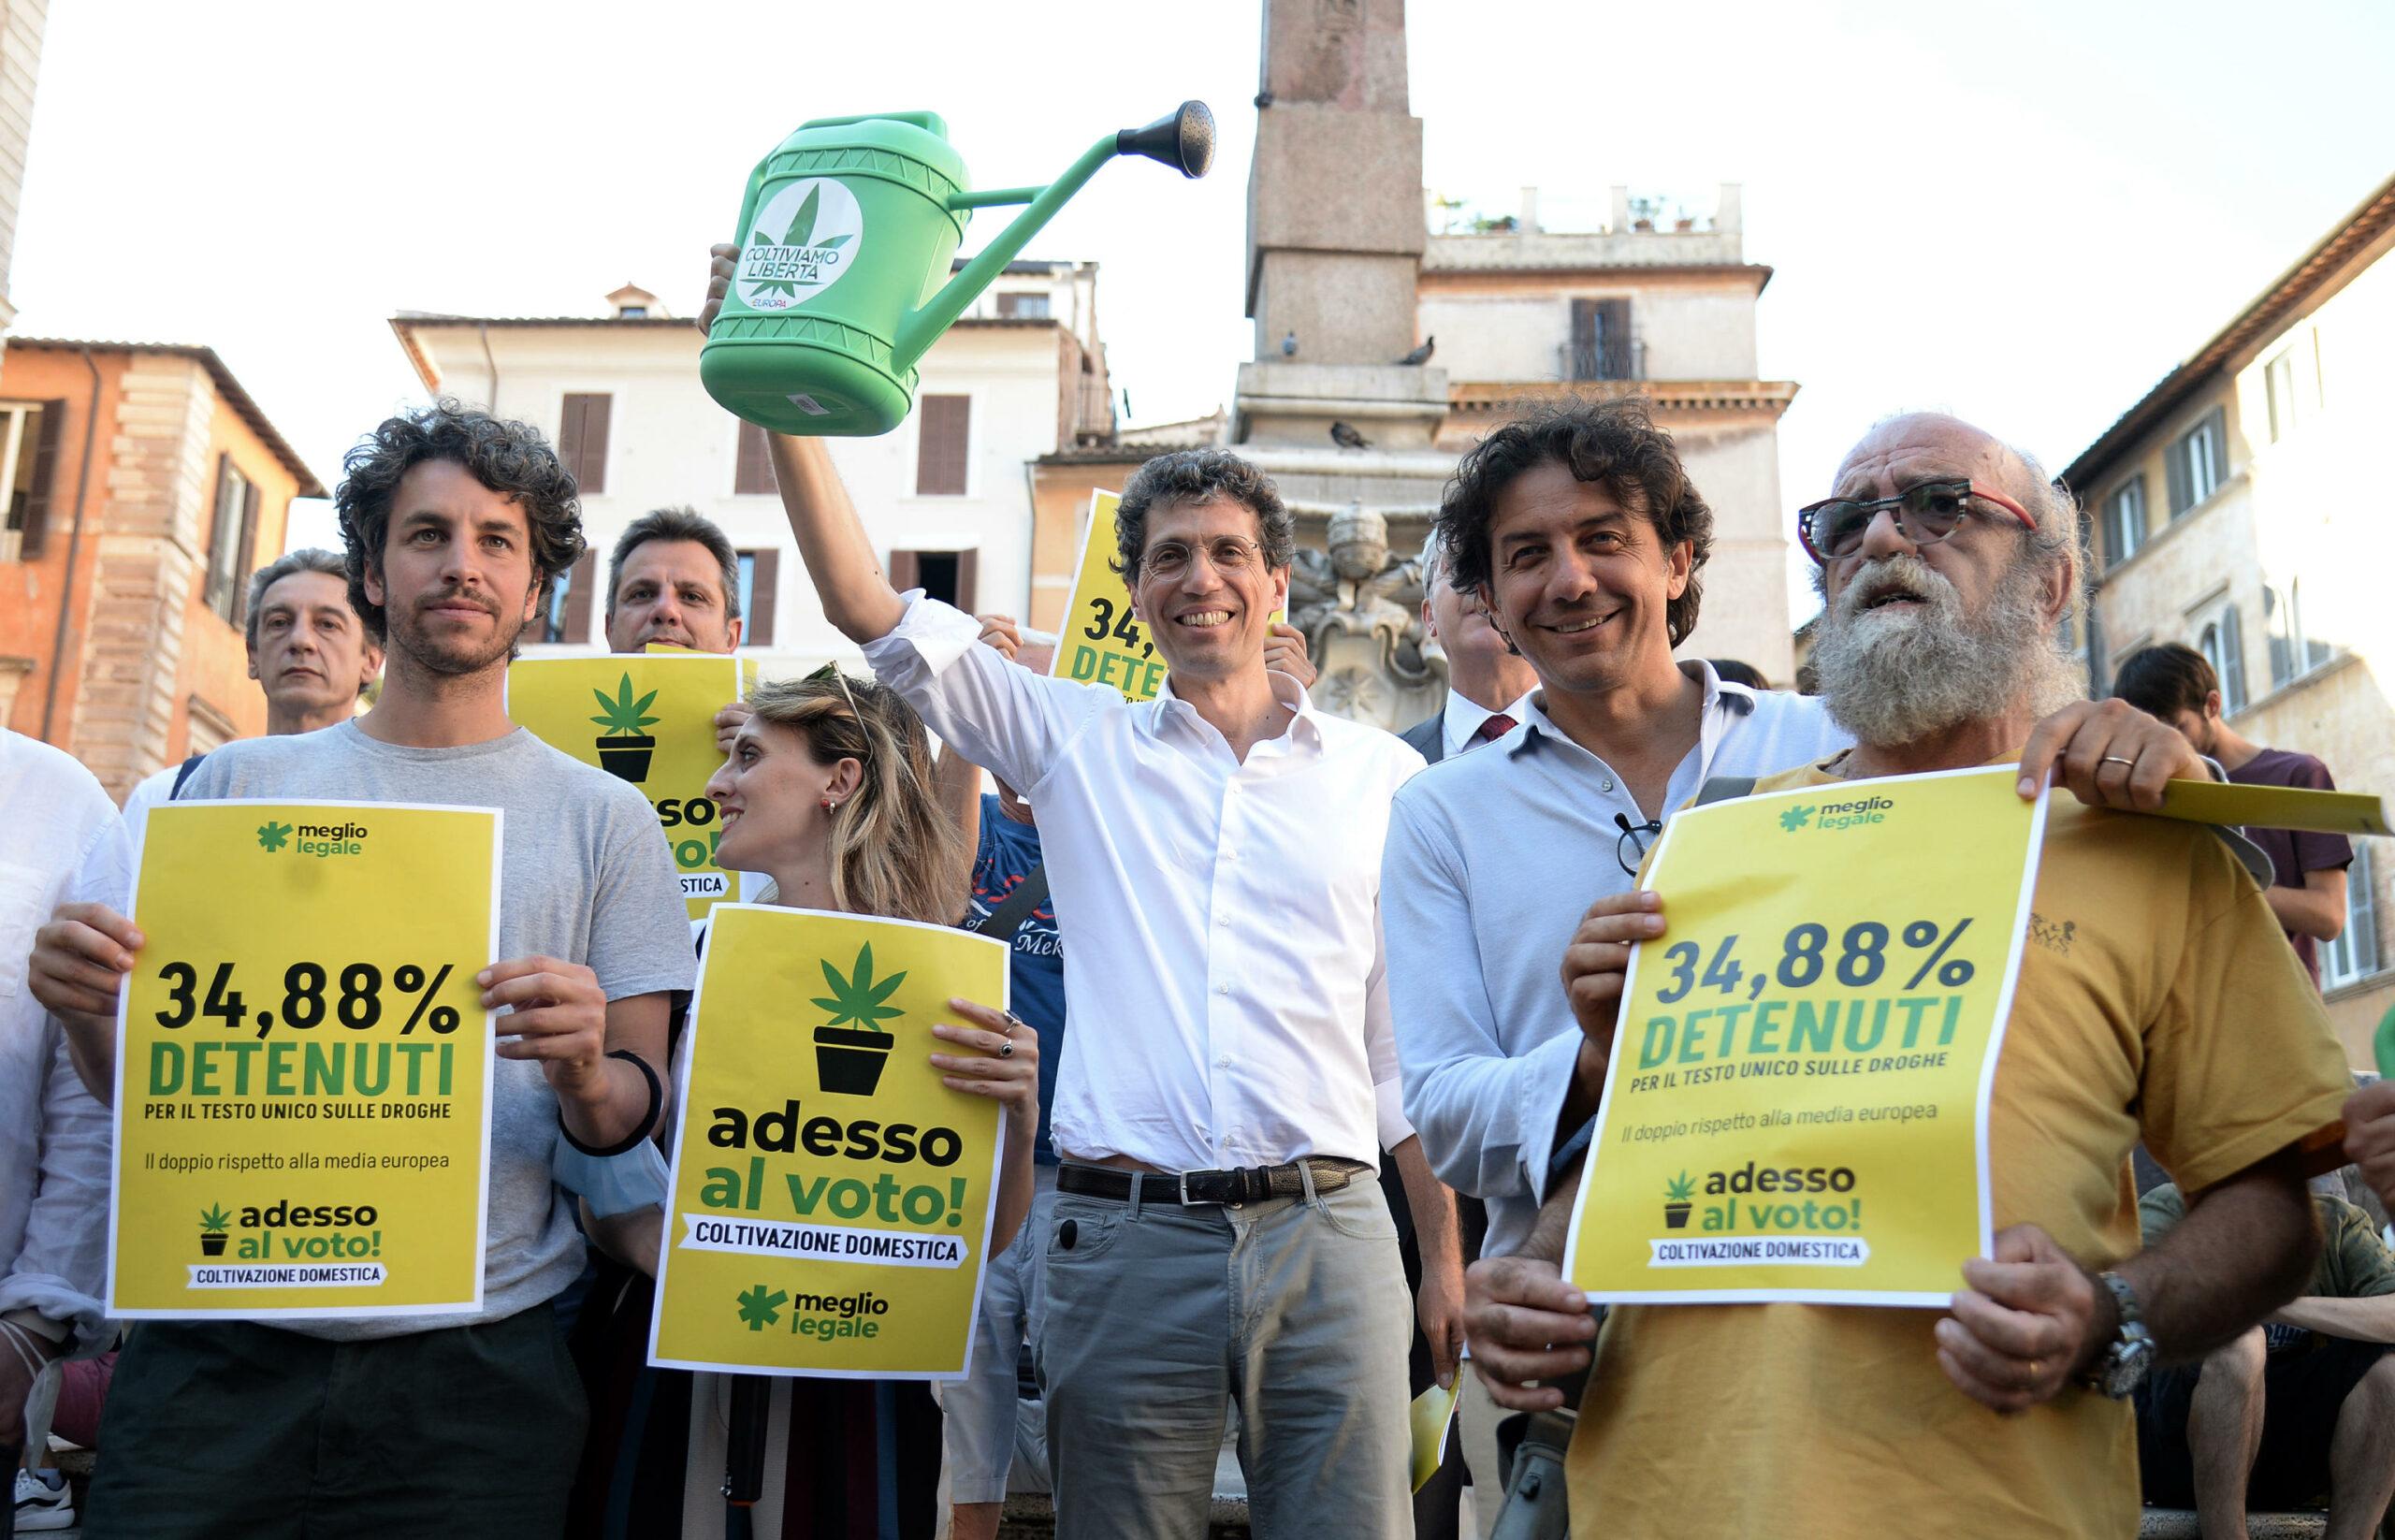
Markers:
1152,1319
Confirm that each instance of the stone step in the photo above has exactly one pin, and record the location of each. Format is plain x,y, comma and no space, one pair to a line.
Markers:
2180,1524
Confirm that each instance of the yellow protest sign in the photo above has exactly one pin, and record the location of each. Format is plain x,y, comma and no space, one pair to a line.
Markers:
2274,808
1100,643
303,1062
648,719
831,1199
1429,1419
1797,1104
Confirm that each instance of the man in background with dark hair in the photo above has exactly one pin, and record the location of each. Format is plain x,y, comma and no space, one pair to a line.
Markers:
456,523
674,578
2174,682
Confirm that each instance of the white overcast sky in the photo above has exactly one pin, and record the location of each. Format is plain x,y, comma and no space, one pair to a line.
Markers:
2026,213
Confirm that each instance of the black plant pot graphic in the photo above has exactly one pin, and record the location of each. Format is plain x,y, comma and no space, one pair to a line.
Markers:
627,758
1676,1216
848,1062
212,1244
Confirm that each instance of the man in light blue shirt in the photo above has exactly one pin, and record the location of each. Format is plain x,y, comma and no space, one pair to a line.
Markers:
1586,543
1492,859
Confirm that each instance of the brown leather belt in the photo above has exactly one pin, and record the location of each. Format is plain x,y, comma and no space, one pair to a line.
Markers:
1225,1189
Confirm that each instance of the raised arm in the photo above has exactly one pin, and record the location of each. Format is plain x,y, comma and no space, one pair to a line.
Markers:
857,598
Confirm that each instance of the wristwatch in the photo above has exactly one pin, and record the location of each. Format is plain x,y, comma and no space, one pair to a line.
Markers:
2122,1368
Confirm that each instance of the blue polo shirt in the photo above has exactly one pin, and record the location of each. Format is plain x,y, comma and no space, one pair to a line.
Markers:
1006,855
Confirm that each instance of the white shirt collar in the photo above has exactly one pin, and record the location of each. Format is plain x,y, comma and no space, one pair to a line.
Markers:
1724,701
1305,726
1461,720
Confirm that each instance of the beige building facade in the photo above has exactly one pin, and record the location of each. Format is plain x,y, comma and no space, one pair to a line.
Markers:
1524,314
2240,507
946,497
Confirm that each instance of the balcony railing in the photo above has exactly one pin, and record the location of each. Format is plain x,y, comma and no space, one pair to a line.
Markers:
1602,360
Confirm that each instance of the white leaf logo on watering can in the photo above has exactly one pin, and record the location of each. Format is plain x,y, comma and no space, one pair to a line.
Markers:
804,237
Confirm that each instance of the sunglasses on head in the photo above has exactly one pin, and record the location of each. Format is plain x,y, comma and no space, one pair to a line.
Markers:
1925,513
830,673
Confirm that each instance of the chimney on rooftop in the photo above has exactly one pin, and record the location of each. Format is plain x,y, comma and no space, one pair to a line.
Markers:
632,303
1528,223
1618,221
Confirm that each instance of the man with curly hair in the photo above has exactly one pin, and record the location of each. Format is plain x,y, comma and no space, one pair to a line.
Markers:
455,524
1231,1077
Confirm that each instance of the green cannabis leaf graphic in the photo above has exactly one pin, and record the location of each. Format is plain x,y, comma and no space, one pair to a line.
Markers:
624,715
859,999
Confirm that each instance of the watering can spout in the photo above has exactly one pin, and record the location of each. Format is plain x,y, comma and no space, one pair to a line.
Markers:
1182,139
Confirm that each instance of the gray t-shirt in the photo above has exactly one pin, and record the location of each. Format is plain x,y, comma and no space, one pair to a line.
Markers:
584,877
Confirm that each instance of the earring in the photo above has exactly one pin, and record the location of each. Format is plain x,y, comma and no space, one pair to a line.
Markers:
829,804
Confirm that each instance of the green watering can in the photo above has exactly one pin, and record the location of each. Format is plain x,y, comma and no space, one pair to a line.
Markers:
846,237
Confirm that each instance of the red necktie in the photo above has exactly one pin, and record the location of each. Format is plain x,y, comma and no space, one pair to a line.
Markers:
1493,729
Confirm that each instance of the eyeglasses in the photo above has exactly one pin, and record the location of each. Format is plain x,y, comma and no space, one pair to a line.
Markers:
1832,529
1631,848
1229,554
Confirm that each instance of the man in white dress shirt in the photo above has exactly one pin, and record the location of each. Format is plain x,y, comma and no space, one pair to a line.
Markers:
1232,1073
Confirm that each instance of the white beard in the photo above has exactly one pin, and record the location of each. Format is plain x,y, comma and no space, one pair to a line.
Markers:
1893,679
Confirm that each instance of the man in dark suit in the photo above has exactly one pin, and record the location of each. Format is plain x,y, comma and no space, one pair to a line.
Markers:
1484,677
1486,680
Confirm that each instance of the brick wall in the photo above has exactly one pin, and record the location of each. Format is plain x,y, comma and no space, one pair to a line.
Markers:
148,560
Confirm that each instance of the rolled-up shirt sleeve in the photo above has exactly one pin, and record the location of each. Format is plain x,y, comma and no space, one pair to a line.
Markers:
60,1270
1486,1120
999,714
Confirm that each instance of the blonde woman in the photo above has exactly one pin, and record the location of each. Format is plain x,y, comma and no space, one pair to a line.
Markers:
828,793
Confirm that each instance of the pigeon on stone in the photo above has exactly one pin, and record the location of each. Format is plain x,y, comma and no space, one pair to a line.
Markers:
1289,345
1348,438
1421,355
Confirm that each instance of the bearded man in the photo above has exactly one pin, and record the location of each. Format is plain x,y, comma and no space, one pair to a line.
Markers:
1948,563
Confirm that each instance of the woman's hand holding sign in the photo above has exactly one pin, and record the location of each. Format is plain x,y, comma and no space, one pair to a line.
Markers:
1004,1066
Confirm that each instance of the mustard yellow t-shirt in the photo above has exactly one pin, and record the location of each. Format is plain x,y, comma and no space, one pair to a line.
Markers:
2157,998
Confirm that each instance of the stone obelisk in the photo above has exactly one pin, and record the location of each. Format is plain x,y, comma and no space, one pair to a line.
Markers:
1335,237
